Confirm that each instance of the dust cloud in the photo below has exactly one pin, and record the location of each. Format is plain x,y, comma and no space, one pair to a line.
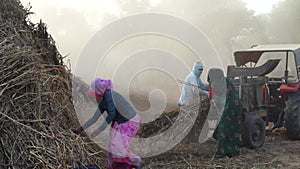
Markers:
146,68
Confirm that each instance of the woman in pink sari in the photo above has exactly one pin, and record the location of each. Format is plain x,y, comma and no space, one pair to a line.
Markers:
124,120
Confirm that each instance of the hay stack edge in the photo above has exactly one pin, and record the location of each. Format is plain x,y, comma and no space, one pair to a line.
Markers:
36,113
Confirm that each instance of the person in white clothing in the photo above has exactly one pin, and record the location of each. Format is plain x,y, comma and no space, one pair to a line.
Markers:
193,87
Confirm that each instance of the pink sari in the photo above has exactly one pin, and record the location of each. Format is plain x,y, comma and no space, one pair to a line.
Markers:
120,138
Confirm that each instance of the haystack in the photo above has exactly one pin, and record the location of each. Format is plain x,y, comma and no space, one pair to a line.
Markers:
36,112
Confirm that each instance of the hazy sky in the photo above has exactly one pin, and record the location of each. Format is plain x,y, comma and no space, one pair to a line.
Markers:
73,22
261,6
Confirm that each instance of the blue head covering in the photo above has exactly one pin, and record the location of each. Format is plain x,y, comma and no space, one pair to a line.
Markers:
198,68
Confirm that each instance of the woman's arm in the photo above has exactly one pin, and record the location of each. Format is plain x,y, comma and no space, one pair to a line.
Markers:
93,119
110,108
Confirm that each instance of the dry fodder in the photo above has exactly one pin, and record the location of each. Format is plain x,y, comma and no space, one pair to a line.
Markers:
167,119
36,112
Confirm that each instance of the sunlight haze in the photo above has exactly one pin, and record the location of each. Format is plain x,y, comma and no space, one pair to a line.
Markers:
73,22
260,6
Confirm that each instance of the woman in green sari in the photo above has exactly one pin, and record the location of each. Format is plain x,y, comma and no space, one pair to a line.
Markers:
227,132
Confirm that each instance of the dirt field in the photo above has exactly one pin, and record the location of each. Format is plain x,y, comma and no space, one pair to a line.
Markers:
277,152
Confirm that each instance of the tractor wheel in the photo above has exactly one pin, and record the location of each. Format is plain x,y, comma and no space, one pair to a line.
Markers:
292,115
253,131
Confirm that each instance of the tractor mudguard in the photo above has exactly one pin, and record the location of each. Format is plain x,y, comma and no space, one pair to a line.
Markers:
289,87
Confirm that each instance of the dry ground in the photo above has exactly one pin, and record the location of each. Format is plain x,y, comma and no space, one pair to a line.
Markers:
277,152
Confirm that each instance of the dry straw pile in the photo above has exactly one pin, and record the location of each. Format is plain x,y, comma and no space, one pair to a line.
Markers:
36,112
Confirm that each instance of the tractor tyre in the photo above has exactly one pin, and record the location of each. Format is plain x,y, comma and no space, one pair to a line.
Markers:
253,131
292,115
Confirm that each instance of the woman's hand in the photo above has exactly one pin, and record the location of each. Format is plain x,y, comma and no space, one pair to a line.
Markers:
95,133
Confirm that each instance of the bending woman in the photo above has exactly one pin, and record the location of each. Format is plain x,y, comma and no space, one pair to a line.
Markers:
124,119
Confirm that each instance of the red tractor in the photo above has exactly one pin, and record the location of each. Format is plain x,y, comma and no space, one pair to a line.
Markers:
267,80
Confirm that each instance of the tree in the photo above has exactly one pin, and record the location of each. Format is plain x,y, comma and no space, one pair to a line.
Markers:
227,23
285,22
221,20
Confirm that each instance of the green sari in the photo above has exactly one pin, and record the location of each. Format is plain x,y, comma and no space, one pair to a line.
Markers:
227,132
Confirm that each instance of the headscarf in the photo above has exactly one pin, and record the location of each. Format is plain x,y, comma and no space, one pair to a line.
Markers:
198,68
217,92
99,86
218,82
218,86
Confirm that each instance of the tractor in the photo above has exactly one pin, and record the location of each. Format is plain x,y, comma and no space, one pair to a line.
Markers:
266,78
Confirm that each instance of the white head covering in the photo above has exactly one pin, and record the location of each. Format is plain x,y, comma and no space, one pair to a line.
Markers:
198,68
